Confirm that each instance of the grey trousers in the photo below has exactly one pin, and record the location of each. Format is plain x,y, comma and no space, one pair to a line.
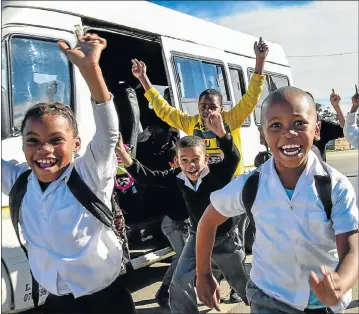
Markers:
262,303
177,234
228,255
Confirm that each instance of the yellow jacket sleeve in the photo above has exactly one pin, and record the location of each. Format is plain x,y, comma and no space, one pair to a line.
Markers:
236,116
174,117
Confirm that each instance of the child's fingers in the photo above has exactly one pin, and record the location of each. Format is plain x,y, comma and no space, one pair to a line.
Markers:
143,64
63,46
333,92
314,280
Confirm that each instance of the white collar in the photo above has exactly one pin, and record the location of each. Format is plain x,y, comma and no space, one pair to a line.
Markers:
188,183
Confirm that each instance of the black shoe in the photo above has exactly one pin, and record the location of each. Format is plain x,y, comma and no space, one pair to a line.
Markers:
234,297
162,297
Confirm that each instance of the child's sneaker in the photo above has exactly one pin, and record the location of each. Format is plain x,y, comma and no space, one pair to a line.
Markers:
234,297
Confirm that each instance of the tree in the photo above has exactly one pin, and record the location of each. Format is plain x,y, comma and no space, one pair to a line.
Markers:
326,114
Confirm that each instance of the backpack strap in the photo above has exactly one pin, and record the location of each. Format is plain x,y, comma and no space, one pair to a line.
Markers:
88,199
249,194
323,185
16,196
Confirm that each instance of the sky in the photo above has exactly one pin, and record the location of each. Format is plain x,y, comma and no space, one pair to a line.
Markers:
302,28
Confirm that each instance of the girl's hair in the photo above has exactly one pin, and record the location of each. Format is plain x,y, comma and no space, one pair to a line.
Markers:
55,109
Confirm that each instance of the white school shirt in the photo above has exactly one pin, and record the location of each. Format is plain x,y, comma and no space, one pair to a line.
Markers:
351,133
71,251
293,236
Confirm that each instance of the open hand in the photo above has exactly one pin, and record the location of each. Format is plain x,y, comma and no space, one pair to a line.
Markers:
139,68
334,99
328,290
87,52
214,122
208,291
261,49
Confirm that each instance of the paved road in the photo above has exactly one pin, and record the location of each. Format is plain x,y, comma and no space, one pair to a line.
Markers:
144,283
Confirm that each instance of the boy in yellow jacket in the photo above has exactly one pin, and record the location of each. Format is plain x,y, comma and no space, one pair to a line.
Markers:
210,100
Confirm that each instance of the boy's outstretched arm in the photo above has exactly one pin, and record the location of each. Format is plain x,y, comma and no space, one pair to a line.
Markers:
143,175
239,113
207,286
171,115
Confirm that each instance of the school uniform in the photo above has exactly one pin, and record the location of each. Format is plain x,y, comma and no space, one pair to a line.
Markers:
351,132
228,254
71,253
293,235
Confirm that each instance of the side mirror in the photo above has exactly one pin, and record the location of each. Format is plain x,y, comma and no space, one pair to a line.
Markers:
5,115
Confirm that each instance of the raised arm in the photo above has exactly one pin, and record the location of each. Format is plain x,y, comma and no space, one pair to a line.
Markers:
351,131
171,115
225,169
99,158
246,105
335,100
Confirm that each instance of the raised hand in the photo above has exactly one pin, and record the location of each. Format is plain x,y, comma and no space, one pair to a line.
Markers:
87,52
214,122
334,99
328,290
208,291
261,49
139,68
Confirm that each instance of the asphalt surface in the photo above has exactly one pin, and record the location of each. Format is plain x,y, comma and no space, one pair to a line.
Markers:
144,283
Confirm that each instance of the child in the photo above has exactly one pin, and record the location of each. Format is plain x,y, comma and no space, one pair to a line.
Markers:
302,261
196,180
351,130
209,101
329,130
71,253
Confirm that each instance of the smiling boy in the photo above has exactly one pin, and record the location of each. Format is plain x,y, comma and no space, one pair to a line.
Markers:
303,261
196,180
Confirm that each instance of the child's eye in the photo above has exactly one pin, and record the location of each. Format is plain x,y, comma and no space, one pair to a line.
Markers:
32,140
57,140
275,125
300,122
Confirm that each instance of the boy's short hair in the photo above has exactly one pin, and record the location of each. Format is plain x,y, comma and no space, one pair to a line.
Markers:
54,109
191,141
211,92
279,95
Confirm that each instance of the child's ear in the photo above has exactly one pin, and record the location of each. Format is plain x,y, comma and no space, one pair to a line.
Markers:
262,139
317,131
206,159
77,144
175,162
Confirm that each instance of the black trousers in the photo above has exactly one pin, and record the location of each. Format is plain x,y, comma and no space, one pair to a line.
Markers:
113,299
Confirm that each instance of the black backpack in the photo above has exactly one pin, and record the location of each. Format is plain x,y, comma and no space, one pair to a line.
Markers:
112,218
323,184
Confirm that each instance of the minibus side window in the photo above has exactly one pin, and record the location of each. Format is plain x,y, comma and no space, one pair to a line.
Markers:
265,93
194,76
277,81
4,69
237,81
40,73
